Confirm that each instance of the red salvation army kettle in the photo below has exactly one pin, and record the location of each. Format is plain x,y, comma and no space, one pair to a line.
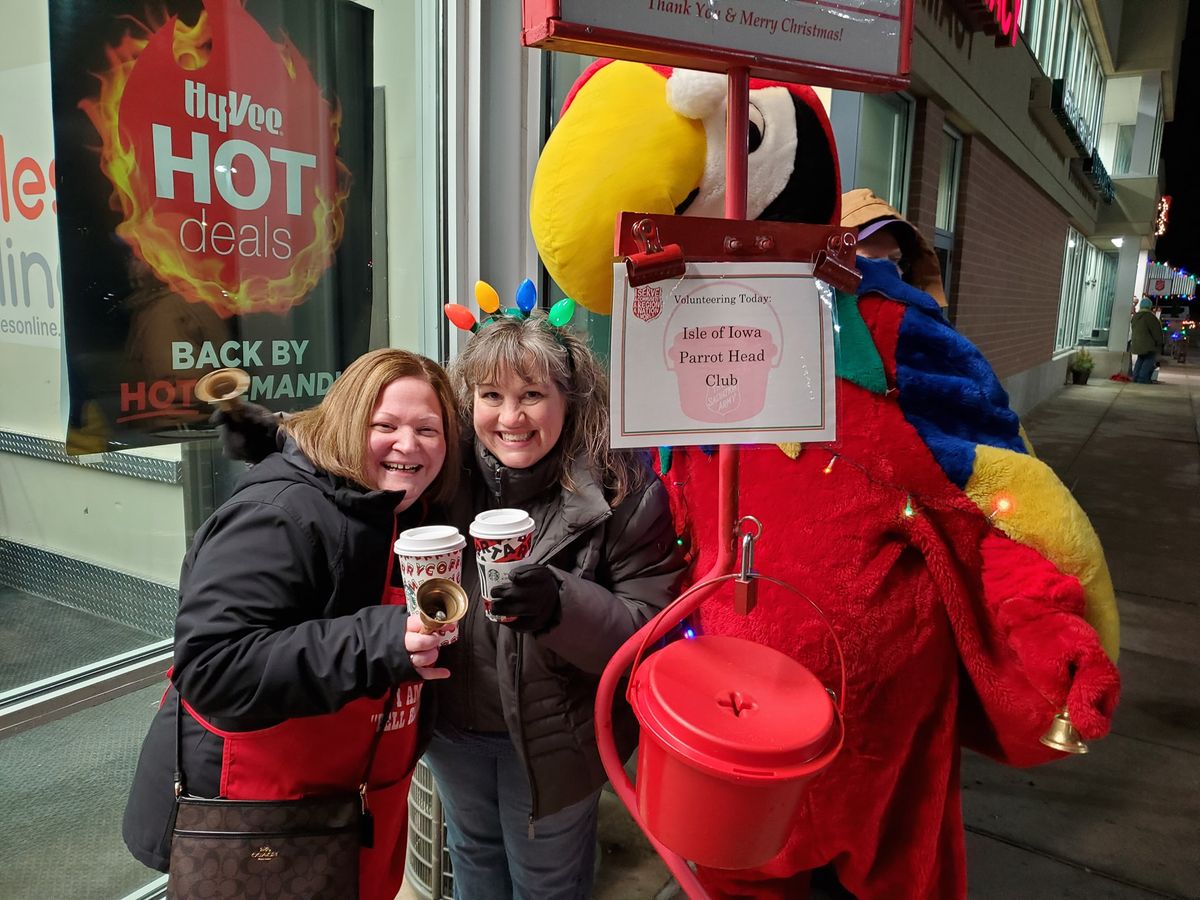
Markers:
732,732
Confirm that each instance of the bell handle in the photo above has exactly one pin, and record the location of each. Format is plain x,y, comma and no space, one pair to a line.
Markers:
1063,736
671,616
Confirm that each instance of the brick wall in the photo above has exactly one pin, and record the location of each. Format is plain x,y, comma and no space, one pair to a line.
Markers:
1009,240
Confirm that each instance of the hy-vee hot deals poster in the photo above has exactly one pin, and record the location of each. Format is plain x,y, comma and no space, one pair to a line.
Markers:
213,185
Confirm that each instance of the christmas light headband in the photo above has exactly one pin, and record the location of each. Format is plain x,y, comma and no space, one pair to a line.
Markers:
489,302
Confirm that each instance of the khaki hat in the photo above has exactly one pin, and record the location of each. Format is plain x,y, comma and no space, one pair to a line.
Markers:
861,209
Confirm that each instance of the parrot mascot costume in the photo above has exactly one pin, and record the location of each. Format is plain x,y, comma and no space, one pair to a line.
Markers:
968,589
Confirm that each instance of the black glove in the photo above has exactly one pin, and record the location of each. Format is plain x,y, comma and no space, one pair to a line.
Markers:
532,596
248,433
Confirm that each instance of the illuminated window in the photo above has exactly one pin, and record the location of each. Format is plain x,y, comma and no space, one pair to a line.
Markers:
1056,33
90,546
1088,291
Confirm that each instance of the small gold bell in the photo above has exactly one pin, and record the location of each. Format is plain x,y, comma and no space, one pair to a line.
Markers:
440,602
223,388
1063,736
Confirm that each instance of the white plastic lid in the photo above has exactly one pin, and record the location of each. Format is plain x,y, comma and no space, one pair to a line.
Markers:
501,523
430,539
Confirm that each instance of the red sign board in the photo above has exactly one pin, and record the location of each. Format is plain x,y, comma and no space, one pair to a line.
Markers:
1001,18
860,45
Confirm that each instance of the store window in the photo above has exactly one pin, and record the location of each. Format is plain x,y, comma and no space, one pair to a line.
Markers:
1100,289
559,74
91,545
884,145
874,138
1088,291
1056,32
947,207
1156,147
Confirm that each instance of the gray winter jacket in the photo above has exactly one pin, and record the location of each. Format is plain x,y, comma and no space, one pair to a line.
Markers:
617,568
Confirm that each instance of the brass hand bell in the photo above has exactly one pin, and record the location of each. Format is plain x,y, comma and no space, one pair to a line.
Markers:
1062,735
223,388
440,602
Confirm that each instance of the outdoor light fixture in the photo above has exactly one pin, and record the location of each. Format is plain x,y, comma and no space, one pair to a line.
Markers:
1118,241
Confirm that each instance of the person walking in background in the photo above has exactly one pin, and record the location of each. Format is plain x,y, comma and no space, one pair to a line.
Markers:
290,633
1146,341
514,748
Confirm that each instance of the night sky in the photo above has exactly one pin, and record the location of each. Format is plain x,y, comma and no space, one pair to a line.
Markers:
1180,246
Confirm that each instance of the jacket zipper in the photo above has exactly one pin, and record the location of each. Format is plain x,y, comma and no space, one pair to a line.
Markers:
550,554
533,796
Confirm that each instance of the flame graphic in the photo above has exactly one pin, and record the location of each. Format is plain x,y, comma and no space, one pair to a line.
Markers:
226,50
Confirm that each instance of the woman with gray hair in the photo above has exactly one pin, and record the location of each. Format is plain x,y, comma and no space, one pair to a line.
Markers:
514,750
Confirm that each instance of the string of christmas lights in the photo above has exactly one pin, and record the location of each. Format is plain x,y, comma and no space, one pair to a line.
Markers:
1002,503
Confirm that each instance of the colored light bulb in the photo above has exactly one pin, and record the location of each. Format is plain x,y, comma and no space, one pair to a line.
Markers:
526,296
829,465
908,508
461,317
1001,505
486,297
562,311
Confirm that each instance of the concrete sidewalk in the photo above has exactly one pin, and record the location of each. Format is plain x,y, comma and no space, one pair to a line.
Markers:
1122,822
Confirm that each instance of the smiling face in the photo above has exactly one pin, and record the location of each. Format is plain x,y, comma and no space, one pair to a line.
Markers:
519,421
406,445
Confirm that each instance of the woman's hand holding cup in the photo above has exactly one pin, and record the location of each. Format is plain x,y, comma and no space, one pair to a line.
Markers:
423,649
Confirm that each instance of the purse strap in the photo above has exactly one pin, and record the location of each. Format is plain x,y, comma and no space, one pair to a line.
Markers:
181,785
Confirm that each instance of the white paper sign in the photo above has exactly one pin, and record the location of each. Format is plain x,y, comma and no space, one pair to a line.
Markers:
858,34
731,353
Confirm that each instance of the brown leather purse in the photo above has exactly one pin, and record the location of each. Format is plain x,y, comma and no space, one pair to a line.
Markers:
303,849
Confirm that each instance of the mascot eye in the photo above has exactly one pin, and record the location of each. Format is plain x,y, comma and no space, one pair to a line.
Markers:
757,126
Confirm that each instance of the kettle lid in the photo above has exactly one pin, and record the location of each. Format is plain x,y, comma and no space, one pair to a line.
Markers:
734,706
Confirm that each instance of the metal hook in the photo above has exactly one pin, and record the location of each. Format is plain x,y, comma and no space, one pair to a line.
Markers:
758,526
744,587
747,571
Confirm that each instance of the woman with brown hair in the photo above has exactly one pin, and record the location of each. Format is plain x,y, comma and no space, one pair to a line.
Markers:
291,636
514,749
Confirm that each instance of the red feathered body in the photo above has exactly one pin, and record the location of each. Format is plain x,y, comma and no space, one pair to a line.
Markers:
897,557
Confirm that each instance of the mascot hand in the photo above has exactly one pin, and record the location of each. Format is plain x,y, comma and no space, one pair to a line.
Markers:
248,433
1037,611
1062,658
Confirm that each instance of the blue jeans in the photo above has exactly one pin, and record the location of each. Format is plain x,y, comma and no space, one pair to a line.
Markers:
1144,367
486,804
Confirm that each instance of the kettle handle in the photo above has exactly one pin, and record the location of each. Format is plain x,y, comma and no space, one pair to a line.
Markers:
664,621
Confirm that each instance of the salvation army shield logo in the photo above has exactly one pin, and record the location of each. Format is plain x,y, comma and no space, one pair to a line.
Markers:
647,302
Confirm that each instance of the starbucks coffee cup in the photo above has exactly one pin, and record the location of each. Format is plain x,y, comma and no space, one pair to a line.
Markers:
503,539
431,551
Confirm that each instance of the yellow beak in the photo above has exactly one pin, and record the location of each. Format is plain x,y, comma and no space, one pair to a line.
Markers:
619,147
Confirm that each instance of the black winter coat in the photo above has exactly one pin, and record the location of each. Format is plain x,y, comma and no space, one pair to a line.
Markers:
616,569
279,617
